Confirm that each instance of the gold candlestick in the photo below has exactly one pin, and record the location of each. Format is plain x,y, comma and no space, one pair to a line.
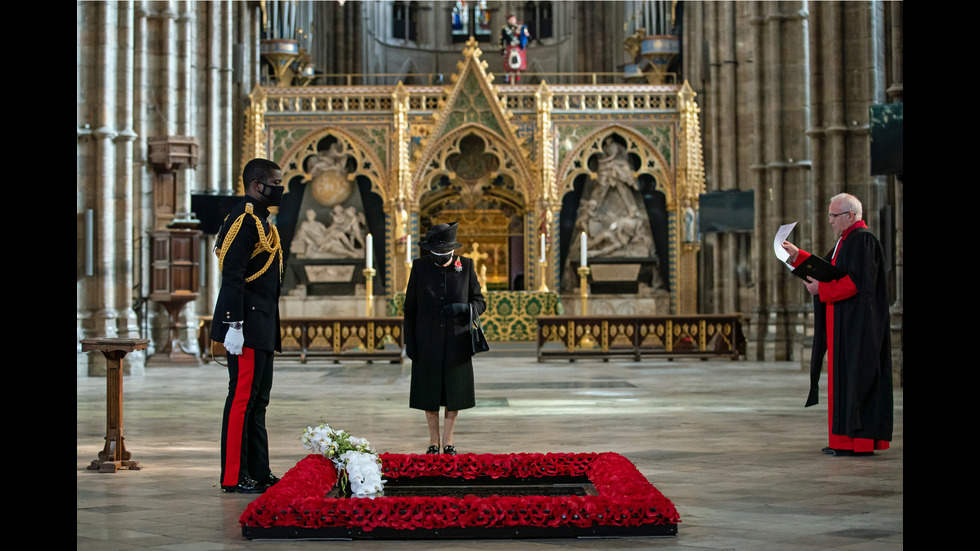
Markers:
544,275
369,274
583,274
543,261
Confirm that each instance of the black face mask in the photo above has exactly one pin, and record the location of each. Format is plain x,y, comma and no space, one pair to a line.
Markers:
440,258
273,199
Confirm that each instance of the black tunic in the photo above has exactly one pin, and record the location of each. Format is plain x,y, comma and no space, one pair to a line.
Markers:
439,345
256,302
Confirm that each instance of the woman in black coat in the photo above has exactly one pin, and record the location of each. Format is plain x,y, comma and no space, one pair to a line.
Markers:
441,290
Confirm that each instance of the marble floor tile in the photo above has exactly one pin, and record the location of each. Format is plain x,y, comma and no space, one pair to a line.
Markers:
728,442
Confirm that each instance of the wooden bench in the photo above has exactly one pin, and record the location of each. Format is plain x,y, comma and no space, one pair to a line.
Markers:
703,336
348,338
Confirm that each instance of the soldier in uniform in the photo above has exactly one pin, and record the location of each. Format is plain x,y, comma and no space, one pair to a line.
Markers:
246,320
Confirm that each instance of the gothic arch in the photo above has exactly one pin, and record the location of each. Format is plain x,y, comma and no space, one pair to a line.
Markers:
366,162
651,161
408,72
533,66
645,159
432,165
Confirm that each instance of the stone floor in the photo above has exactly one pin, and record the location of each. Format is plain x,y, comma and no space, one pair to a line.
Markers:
728,442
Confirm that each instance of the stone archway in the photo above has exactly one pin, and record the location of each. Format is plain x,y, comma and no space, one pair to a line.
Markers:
615,188
335,199
475,188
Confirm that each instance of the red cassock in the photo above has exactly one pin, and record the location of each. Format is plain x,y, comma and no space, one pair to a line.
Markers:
851,327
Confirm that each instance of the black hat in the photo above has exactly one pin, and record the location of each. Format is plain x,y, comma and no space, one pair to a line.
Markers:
441,238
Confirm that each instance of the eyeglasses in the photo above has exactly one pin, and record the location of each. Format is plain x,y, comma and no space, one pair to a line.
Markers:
835,215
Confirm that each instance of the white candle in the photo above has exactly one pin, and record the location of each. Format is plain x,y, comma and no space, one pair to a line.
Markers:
542,247
370,251
408,248
583,260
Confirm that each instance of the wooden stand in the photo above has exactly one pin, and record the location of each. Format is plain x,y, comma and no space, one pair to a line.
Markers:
114,456
174,283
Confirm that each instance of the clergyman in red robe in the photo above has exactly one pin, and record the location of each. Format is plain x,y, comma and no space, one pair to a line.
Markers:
851,328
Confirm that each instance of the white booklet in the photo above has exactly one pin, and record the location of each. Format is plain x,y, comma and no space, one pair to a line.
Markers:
777,243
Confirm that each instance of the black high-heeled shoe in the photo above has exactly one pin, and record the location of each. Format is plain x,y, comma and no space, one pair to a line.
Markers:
432,450
449,450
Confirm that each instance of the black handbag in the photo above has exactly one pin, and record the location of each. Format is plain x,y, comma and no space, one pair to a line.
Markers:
480,343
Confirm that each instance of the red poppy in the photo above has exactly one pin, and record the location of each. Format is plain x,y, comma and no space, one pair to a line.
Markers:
625,497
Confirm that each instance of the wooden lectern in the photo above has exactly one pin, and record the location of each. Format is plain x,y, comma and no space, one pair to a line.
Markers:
114,456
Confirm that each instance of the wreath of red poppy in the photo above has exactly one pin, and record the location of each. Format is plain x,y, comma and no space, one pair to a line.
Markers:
625,497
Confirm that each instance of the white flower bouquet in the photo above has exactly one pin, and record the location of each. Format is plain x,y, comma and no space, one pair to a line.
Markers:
354,458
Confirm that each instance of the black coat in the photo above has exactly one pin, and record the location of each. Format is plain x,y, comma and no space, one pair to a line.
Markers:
861,343
439,345
256,302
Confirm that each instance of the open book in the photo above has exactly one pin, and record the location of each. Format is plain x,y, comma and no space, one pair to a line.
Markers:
814,267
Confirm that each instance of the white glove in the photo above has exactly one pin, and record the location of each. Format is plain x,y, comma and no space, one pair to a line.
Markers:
234,339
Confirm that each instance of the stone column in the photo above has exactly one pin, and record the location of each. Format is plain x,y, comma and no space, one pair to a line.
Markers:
850,47
126,232
896,19
96,304
755,102
782,162
725,67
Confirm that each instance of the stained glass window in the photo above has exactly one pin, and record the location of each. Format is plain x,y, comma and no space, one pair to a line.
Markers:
470,19
482,19
460,20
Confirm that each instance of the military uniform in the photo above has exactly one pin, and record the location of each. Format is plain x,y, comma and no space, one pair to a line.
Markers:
250,260
513,44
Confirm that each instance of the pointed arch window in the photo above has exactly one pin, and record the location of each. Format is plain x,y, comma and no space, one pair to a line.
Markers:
539,18
405,20
470,19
